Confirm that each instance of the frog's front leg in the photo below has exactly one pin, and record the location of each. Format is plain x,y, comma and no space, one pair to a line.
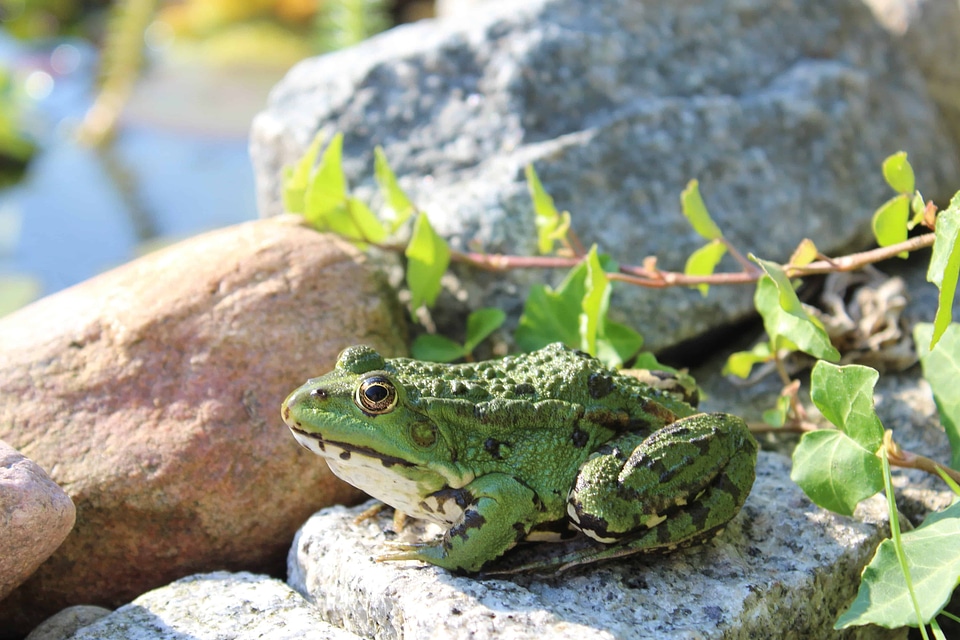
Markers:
498,512
676,486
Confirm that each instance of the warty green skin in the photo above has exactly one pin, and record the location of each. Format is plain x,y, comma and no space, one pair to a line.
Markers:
529,447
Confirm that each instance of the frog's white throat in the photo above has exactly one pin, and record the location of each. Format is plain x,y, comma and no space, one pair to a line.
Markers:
374,476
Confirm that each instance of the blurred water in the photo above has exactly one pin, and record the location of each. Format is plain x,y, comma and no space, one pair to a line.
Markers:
79,211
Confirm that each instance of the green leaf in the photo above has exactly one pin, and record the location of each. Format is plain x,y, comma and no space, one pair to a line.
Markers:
941,368
326,193
296,177
696,212
617,343
593,306
933,558
427,259
945,265
741,363
805,253
890,222
553,315
784,316
399,206
368,226
704,260
919,208
844,396
777,416
647,360
548,219
480,324
835,471
898,173
434,348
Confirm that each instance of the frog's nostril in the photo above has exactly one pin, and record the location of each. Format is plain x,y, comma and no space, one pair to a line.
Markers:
319,394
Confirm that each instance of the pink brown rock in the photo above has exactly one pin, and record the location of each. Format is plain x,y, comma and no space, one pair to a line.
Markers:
35,516
151,394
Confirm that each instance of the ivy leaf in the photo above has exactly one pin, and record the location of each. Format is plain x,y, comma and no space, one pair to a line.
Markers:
480,324
777,416
932,551
696,212
844,396
551,226
326,193
296,178
741,363
805,253
593,306
399,206
784,316
941,368
898,173
945,265
617,343
435,348
704,260
890,222
427,259
552,315
835,471
919,209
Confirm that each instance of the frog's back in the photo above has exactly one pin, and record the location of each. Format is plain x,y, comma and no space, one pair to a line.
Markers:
555,372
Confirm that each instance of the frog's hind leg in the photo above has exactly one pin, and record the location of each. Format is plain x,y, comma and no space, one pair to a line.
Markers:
674,488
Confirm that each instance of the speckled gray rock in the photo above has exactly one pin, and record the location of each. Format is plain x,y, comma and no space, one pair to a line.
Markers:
928,31
782,566
783,111
65,623
216,606
35,517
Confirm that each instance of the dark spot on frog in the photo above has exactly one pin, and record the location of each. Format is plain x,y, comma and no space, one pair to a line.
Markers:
521,531
460,496
492,447
286,414
524,389
599,385
579,438
471,520
659,411
344,455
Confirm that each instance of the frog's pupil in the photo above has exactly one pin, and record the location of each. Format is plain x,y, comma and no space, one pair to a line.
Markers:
376,393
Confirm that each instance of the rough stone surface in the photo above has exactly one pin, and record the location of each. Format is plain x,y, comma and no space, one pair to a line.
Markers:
783,110
151,394
928,31
782,564
216,606
64,624
35,516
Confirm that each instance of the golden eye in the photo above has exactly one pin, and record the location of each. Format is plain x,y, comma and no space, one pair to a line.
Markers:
376,395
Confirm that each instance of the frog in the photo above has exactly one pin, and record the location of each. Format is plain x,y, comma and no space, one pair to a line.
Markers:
540,446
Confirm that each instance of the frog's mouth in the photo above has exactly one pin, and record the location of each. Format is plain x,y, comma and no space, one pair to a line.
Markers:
343,451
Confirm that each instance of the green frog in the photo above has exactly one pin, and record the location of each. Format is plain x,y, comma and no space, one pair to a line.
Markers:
538,446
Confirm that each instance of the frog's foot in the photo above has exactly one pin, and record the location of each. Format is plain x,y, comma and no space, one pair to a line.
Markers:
371,512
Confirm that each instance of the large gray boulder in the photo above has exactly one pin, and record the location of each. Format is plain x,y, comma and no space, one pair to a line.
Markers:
783,111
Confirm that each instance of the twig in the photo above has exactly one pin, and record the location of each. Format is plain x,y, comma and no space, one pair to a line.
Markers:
907,460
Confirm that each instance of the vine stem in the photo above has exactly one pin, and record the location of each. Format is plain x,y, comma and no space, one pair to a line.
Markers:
907,460
651,277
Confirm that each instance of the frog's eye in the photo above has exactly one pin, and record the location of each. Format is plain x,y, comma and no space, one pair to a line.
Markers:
376,395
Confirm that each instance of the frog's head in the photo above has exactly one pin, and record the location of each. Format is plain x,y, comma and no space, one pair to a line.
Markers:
358,417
